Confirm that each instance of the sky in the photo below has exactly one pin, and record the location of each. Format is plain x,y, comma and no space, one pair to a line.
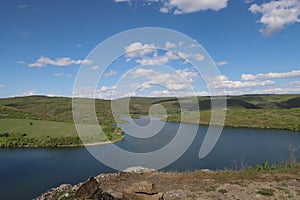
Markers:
254,46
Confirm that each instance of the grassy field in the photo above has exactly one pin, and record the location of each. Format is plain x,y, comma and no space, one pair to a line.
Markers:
41,133
287,119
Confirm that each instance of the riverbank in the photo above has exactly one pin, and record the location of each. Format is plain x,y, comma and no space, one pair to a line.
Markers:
282,182
277,119
93,144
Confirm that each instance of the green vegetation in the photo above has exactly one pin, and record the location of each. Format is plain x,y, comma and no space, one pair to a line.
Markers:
48,121
249,111
223,191
39,121
40,133
266,192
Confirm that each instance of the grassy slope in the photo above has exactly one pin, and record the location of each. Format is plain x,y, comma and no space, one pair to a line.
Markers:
49,122
255,111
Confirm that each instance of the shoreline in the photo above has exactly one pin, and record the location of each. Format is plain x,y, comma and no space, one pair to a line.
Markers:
67,146
92,144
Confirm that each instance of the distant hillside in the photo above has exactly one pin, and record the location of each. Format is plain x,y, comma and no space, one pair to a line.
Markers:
259,111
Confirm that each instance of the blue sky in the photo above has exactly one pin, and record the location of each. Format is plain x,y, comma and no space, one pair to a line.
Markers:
254,43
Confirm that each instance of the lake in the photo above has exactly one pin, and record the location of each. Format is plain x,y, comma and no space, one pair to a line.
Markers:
26,173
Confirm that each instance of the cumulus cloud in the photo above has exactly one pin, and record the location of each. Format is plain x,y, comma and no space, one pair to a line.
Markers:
178,80
191,6
146,54
137,49
158,60
271,75
183,6
110,73
64,61
277,14
229,84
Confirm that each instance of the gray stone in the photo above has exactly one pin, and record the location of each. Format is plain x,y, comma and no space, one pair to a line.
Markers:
138,169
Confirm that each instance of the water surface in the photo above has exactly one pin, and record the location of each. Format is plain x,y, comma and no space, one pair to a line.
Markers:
25,173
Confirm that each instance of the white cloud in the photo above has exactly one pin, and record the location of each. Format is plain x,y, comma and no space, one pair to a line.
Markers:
65,61
141,72
146,54
277,14
222,81
295,83
105,92
2,86
110,73
271,75
186,56
119,1
138,49
190,6
21,62
62,74
222,63
178,80
95,67
29,93
183,6
167,93
164,10
157,60
170,45
277,91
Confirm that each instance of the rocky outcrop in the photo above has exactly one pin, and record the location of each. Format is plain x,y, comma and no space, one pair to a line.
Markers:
91,189
63,191
142,191
203,184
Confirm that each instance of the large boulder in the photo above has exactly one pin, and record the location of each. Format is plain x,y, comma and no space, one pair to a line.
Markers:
143,190
88,189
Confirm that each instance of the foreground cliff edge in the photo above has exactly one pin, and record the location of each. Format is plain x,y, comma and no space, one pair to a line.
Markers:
259,182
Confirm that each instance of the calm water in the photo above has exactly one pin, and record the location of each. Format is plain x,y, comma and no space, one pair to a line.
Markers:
25,173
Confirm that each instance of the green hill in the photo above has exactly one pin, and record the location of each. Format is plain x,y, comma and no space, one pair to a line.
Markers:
48,121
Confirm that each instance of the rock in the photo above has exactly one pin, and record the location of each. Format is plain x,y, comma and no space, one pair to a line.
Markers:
52,194
142,191
138,169
88,190
143,187
106,196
